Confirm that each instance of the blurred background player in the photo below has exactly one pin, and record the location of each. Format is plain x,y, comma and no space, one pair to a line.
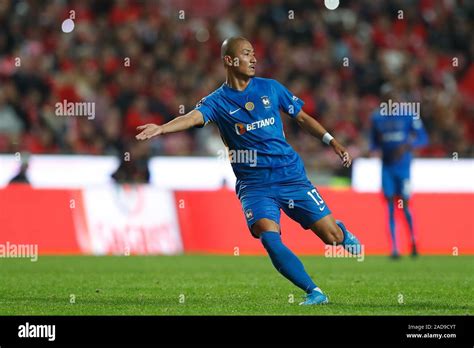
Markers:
397,135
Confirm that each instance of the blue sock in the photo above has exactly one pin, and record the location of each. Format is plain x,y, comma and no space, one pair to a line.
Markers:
391,217
410,223
286,262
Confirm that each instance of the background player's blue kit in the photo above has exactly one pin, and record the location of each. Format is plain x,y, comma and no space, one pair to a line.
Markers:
388,133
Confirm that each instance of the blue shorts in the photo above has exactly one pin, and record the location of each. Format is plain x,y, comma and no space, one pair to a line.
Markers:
395,183
301,201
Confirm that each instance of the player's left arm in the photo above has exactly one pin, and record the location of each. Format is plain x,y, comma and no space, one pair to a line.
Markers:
420,137
315,128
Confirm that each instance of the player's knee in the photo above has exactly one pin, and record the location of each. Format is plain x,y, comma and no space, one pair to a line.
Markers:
256,233
264,225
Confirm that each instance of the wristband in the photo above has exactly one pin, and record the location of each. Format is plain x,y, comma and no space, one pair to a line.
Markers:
327,138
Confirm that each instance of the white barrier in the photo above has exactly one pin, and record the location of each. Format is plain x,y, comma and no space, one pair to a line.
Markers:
208,173
80,171
427,175
61,171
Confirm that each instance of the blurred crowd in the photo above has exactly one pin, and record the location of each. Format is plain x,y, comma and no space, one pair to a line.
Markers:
150,61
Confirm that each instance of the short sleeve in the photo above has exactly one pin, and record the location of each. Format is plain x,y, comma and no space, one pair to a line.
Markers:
208,110
288,102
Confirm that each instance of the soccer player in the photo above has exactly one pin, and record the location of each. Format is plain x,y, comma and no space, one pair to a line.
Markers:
246,111
396,136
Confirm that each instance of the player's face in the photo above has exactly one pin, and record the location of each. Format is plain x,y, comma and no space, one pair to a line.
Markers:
245,62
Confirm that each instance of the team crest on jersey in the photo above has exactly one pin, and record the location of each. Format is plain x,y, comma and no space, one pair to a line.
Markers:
266,101
249,214
249,106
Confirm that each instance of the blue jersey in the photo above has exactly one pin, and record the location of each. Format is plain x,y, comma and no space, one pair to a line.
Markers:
389,132
249,123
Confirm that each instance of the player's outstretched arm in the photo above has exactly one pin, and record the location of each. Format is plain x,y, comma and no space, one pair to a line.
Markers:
180,123
317,130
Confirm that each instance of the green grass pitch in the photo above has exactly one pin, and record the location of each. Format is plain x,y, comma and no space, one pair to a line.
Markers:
233,285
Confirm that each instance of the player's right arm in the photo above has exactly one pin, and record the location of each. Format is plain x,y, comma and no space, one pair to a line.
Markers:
191,119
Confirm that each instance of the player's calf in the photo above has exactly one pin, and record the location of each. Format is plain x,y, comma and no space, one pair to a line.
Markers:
284,260
334,232
328,231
